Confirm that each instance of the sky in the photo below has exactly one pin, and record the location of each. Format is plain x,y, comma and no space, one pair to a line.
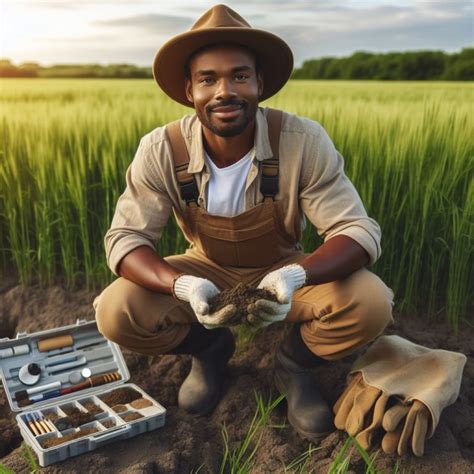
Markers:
105,32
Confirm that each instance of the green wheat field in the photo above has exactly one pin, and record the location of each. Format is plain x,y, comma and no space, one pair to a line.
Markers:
408,148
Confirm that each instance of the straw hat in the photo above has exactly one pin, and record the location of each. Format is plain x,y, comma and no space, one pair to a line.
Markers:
220,25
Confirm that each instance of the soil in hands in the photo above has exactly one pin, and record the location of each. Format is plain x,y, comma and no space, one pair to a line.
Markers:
241,296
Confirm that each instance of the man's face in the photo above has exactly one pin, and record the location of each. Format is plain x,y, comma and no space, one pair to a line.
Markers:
224,88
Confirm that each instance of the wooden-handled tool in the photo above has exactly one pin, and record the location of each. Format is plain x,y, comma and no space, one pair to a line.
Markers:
90,382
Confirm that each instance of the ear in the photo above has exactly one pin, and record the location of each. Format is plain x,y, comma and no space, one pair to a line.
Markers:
260,84
189,90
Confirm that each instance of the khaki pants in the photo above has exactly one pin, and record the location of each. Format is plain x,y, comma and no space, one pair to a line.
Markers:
337,317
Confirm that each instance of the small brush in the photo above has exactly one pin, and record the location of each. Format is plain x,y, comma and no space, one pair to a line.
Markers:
32,425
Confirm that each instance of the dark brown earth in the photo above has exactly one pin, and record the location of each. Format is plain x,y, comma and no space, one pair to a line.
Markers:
91,407
187,443
120,396
77,417
49,442
241,296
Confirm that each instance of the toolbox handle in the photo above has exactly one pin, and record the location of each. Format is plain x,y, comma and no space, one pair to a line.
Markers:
102,438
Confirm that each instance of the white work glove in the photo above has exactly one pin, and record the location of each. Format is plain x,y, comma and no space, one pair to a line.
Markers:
282,283
197,292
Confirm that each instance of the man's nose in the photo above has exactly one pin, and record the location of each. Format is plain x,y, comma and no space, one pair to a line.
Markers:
225,90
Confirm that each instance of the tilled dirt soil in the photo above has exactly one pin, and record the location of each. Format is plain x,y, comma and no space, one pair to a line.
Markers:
185,443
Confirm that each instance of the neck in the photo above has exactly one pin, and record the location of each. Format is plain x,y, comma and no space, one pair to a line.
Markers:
225,151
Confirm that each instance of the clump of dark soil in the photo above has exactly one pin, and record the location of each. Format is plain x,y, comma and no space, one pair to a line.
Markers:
76,416
131,416
119,408
60,422
50,442
92,408
120,396
108,423
241,296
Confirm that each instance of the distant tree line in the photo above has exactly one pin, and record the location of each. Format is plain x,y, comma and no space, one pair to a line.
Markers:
407,66
8,69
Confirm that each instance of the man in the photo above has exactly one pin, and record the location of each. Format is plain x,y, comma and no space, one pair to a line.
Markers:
240,181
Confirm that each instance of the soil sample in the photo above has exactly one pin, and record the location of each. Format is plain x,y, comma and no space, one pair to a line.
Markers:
131,416
108,423
120,396
77,417
141,403
119,408
50,442
91,407
61,422
241,295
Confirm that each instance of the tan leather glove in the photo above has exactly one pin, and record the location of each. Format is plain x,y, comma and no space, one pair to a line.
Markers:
366,436
355,405
412,432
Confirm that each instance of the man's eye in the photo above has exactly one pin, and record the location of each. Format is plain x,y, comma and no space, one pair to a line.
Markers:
241,77
207,80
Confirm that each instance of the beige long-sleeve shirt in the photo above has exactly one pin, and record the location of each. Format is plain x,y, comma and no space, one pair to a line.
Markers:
312,185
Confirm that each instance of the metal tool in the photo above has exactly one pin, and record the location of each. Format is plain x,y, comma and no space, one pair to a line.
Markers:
69,365
90,382
14,350
29,374
21,394
60,361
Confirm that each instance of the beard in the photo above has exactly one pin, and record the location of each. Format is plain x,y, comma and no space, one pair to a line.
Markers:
232,127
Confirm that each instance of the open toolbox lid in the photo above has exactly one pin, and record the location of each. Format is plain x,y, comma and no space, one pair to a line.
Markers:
101,356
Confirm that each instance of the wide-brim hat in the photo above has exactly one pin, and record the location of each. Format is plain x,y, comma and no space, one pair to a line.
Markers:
220,25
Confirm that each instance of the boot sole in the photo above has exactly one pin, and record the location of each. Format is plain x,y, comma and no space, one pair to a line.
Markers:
311,436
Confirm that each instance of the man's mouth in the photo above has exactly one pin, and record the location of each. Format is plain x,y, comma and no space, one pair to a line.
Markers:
227,111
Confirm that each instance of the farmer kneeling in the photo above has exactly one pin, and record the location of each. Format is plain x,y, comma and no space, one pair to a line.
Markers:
241,181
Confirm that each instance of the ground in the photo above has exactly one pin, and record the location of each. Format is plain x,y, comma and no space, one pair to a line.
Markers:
185,443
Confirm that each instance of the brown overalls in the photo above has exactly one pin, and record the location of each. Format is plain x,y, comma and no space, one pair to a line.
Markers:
338,317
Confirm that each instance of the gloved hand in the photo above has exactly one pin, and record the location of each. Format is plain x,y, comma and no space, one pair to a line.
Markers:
282,283
198,291
415,428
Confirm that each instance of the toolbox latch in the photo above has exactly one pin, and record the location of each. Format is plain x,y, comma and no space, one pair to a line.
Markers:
21,334
80,322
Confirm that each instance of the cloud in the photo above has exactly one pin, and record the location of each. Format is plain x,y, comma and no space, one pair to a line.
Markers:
152,23
127,31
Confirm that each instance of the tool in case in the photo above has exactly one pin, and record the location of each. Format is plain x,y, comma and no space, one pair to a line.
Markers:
68,387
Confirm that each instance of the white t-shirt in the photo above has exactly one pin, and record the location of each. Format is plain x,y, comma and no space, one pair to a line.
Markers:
225,193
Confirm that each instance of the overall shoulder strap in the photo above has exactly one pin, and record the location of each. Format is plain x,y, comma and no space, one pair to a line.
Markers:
186,181
270,167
